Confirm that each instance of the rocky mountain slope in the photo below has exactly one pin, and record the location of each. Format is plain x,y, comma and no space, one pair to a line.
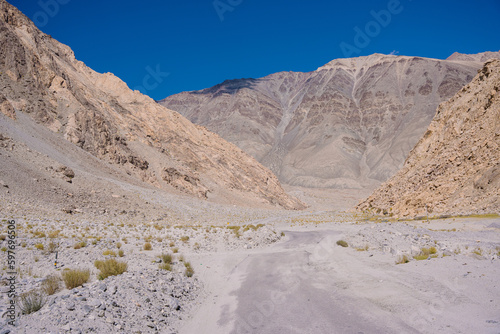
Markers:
132,137
481,57
349,124
455,167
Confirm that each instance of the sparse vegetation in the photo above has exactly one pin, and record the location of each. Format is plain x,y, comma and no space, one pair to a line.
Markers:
31,301
80,244
51,284
402,259
118,245
110,267
342,243
362,249
185,238
109,252
175,250
166,258
426,253
75,277
39,246
189,269
121,253
147,246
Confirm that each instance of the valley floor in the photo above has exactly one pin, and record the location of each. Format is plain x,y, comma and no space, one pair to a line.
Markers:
264,271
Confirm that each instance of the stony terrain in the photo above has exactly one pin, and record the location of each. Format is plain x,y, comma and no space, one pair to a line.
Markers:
145,298
349,124
132,137
455,167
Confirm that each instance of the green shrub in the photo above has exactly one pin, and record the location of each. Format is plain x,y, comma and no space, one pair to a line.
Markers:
110,267
75,277
342,243
31,301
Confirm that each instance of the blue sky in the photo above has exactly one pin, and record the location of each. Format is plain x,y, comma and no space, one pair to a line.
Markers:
163,47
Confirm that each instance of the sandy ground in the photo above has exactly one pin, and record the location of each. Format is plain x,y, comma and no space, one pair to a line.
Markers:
308,284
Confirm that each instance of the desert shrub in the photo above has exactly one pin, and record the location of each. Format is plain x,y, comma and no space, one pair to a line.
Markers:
185,238
175,250
425,253
31,301
121,253
52,247
172,244
80,244
118,245
165,266
54,234
39,246
166,258
109,252
181,258
110,267
51,284
362,249
402,259
3,237
75,277
189,269
147,246
342,243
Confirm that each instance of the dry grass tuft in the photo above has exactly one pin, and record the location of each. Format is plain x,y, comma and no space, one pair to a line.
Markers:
75,277
110,267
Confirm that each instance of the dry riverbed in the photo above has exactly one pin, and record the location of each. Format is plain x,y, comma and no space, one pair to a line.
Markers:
280,274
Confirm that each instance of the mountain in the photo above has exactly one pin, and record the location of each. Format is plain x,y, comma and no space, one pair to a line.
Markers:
349,124
41,83
455,167
479,57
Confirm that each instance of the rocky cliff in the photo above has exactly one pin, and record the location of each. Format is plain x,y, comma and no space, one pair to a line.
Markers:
455,167
349,124
98,113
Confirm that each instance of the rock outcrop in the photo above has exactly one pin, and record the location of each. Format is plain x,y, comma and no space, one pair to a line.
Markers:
455,167
40,77
349,124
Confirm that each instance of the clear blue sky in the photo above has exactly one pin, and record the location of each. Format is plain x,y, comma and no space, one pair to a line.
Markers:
200,46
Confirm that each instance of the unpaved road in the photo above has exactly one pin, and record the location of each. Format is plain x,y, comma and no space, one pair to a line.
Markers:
308,284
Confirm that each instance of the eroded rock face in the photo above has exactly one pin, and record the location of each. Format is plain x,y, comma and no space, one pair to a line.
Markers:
349,124
100,114
455,167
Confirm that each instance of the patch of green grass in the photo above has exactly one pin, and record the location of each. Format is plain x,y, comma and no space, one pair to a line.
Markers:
75,277
110,267
342,243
